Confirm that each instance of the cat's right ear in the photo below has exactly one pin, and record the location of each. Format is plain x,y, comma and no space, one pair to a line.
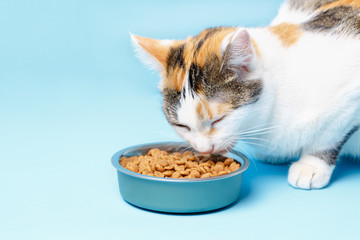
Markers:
238,52
152,52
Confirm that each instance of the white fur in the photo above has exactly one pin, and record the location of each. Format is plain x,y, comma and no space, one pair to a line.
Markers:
289,15
197,136
316,84
187,115
310,101
317,89
225,42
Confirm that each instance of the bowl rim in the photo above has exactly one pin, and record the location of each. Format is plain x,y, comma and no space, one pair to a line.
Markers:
116,157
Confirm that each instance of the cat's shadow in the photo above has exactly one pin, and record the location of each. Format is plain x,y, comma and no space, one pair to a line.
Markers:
260,173
346,168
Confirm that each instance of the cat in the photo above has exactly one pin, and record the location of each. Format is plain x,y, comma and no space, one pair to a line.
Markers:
292,88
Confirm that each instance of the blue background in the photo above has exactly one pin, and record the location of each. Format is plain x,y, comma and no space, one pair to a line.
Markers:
72,94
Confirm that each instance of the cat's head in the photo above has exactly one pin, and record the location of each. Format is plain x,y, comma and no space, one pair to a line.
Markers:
209,83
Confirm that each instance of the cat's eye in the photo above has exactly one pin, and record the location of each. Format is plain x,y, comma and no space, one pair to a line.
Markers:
182,126
217,121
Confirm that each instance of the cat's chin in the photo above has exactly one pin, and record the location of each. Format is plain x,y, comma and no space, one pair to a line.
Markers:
222,152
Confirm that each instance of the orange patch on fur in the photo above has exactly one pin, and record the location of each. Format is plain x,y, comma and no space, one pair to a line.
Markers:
198,108
287,33
352,3
180,79
212,131
211,45
154,48
256,48
207,109
176,79
189,52
175,76
222,109
204,110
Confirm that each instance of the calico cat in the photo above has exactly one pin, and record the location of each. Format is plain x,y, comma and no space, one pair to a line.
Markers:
292,89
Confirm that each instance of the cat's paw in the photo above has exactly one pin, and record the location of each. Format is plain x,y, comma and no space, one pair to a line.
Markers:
309,173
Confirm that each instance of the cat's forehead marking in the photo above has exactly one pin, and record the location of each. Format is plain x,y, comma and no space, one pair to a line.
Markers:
207,110
204,110
199,50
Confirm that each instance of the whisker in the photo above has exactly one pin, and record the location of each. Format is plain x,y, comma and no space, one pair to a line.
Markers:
254,134
258,130
254,138
247,154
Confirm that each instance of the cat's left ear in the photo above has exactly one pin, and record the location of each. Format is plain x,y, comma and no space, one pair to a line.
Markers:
239,53
152,52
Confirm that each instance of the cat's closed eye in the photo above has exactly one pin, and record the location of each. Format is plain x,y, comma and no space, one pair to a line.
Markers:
182,126
217,121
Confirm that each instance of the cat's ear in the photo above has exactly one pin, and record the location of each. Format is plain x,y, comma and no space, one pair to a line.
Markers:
238,52
152,52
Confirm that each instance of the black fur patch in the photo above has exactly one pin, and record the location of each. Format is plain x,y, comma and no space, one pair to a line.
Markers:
210,32
223,84
308,5
195,77
171,98
338,20
176,57
199,45
330,156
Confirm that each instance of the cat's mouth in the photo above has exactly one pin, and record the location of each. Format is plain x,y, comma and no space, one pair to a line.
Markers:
221,151
214,149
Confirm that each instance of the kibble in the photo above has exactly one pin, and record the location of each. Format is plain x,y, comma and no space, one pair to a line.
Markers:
179,165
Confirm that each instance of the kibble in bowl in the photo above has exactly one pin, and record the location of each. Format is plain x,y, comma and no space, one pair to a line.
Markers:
171,177
179,165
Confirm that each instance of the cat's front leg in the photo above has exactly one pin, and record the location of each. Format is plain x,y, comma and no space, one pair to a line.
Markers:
311,172
314,171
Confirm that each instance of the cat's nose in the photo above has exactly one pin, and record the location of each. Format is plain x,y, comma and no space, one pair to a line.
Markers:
208,151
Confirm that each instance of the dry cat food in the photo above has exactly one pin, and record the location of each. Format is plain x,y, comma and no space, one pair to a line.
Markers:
179,165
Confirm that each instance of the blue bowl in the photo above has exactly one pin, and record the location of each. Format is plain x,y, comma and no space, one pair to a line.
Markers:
177,195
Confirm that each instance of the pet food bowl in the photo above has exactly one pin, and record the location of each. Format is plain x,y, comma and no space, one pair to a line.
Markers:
173,195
